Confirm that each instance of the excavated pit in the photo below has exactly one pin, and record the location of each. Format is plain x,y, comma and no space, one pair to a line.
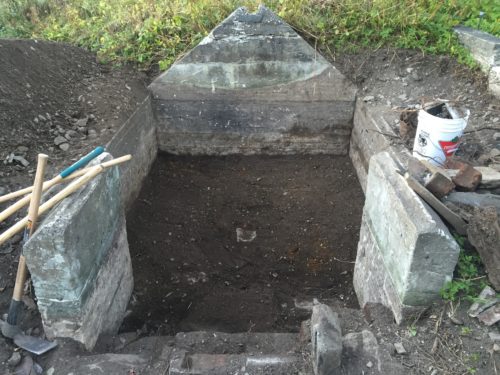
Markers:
192,273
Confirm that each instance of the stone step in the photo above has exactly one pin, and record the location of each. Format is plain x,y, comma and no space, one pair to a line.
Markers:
183,363
237,343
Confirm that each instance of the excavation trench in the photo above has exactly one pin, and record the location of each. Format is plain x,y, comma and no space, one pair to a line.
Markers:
192,272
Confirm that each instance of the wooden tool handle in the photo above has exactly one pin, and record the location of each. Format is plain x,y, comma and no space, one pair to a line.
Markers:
37,193
22,270
71,188
48,184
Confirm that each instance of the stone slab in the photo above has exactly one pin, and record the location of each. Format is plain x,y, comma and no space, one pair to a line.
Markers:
361,349
494,81
405,253
137,136
80,264
484,47
371,134
253,86
326,339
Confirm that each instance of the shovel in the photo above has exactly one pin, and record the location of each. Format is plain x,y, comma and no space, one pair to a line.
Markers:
9,329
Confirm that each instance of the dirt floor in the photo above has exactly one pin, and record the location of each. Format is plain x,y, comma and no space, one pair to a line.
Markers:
191,271
39,78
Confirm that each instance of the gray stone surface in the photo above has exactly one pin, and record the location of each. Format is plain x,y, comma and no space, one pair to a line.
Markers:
405,253
485,48
80,263
326,339
253,86
474,199
137,137
494,81
371,134
361,348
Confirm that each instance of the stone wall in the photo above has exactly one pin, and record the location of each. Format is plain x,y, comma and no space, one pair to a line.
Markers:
253,86
137,137
485,49
80,264
405,252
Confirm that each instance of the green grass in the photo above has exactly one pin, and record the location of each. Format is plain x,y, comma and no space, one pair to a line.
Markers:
468,282
158,31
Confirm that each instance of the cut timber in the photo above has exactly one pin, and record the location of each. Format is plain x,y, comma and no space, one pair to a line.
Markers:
452,218
484,235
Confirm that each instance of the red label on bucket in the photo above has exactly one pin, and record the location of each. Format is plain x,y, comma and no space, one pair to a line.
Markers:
449,147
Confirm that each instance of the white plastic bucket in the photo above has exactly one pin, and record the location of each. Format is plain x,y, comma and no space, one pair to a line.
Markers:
438,138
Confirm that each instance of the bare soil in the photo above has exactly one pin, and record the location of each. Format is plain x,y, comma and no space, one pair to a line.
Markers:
192,273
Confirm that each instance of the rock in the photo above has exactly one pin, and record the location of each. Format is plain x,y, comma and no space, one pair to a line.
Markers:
70,135
400,349
82,122
474,200
496,348
243,235
59,140
496,136
490,178
369,98
369,364
21,160
456,320
22,149
64,146
494,336
484,234
490,316
14,359
485,300
439,185
326,338
92,133
467,178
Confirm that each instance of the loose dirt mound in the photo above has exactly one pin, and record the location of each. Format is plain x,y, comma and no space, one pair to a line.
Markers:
50,90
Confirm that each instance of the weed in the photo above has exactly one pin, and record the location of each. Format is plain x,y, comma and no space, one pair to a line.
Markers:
159,31
468,282
465,331
412,330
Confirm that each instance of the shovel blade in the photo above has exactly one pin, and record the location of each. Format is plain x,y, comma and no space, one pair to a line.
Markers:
34,345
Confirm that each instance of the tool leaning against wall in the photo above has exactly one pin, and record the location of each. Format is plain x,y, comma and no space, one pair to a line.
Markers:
9,327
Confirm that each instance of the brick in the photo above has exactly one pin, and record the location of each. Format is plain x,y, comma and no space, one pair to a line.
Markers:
439,185
467,177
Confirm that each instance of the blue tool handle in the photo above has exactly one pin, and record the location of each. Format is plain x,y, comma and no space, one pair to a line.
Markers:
83,161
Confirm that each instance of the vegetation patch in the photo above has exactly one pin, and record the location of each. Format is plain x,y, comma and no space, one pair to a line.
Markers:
150,32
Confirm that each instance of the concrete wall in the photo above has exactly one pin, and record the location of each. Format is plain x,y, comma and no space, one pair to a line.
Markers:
253,86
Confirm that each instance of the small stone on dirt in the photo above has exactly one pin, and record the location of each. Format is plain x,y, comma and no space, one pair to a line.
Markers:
64,146
59,140
490,316
21,160
456,320
369,364
82,122
494,336
368,98
14,359
243,235
71,134
400,349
